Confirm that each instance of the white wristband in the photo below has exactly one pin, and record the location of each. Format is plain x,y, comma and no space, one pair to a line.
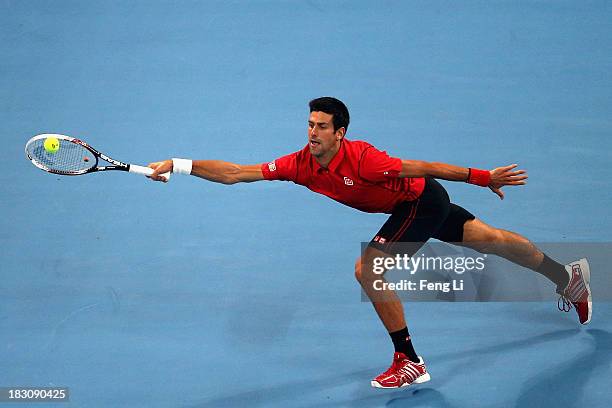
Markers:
181,166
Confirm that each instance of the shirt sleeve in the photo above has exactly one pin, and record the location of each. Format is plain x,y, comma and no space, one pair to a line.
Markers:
377,166
283,168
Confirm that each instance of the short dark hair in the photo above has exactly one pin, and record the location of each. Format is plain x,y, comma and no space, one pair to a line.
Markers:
332,106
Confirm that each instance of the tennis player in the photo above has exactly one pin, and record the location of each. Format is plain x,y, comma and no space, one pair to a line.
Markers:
357,174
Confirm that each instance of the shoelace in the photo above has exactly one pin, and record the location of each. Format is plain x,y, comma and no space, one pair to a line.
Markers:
402,371
566,306
392,369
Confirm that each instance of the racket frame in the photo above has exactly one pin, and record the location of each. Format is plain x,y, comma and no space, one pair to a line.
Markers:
115,164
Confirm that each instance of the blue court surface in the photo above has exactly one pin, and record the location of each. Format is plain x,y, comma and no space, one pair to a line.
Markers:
194,294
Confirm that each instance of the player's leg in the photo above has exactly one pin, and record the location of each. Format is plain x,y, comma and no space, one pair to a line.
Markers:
410,225
386,302
512,246
572,280
515,248
462,228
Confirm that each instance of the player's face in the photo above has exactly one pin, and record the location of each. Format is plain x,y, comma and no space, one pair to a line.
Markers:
322,139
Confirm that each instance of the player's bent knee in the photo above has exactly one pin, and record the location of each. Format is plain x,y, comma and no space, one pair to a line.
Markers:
364,272
358,270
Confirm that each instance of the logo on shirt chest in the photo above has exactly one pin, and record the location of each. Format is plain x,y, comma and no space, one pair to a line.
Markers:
348,181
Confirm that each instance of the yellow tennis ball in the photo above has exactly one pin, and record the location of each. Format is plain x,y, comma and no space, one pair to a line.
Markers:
52,145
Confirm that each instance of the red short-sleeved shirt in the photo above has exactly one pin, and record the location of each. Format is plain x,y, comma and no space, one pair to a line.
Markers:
359,176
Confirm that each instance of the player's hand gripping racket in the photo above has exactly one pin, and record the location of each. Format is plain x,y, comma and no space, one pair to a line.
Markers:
65,155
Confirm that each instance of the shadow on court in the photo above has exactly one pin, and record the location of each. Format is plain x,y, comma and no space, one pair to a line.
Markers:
563,384
511,345
420,397
283,392
416,395
290,393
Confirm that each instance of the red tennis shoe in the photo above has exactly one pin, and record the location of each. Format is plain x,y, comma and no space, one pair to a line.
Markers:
577,292
402,373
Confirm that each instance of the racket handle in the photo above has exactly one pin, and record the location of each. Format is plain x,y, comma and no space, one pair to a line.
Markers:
146,171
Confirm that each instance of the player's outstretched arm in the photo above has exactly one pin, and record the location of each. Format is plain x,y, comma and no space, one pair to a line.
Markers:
212,170
494,179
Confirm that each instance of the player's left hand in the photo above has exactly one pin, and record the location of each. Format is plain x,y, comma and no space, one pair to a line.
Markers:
506,176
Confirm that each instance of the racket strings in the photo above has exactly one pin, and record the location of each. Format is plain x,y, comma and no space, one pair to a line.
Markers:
70,158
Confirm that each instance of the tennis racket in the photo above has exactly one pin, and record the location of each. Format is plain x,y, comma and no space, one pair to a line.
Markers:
75,157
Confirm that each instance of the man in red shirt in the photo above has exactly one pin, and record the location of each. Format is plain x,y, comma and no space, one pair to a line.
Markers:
358,175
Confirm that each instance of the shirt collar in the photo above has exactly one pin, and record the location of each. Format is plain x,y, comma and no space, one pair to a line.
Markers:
335,161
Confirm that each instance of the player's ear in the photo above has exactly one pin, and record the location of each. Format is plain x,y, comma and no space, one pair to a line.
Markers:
340,133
